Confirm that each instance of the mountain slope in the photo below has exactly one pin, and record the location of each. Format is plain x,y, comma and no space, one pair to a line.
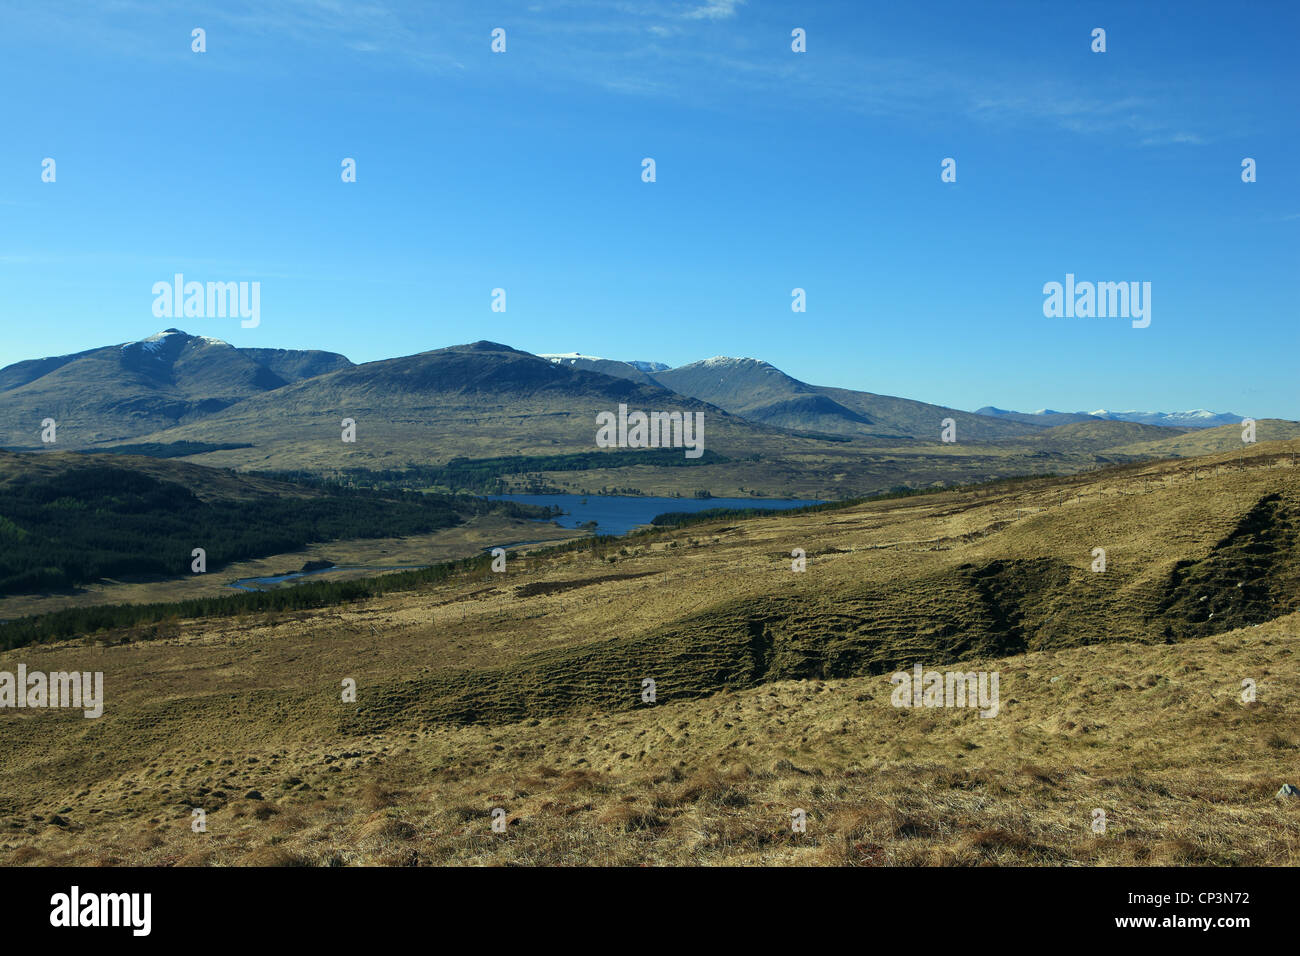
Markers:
293,365
120,391
477,400
1206,441
625,370
177,395
761,392
1099,435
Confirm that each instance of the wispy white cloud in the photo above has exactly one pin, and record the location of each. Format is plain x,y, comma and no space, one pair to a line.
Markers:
714,10
1174,139
660,49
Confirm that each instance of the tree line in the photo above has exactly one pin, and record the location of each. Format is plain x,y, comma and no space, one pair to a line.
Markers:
92,522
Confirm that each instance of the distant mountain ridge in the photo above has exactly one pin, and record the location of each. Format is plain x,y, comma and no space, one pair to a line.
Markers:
261,407
1196,418
760,392
804,406
477,400
757,390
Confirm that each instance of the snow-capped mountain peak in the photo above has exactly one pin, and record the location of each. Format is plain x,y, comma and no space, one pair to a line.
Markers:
166,337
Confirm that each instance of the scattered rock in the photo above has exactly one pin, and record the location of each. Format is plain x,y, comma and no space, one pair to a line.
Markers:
1288,792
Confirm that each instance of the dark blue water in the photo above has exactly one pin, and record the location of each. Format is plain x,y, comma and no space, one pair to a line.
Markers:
619,514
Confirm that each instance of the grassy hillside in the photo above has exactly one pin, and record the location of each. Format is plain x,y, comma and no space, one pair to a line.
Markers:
1120,690
1208,441
1103,435
1155,736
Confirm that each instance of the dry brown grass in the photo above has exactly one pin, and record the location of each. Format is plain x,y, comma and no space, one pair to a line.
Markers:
1154,734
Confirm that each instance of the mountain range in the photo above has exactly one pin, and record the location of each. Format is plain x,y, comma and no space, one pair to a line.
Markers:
280,409
1196,418
761,392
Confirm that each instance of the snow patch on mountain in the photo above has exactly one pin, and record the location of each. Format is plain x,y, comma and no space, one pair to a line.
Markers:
572,357
159,340
1193,418
569,356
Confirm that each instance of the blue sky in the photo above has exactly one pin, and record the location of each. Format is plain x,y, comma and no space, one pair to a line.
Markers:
775,170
